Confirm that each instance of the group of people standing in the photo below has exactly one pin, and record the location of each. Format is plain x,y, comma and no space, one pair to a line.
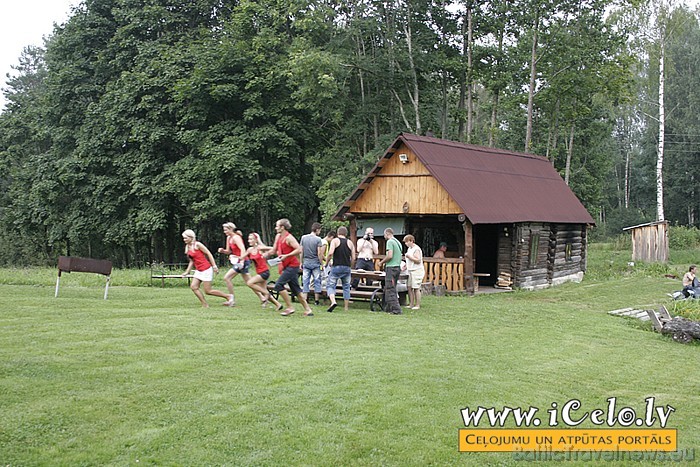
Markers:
333,254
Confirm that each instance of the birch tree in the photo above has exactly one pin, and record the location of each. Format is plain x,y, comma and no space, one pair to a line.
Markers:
659,34
661,38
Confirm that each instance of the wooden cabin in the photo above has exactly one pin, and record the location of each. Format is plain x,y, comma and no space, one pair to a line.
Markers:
502,214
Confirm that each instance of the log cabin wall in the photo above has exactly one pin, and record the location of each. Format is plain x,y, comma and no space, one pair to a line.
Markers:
531,271
552,252
567,252
406,188
515,255
584,247
560,254
505,250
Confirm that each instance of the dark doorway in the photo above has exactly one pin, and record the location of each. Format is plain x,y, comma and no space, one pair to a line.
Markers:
430,231
486,252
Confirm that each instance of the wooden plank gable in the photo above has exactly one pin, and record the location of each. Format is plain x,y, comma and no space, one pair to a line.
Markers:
397,185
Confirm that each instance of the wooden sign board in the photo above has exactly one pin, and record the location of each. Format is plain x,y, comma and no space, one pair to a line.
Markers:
75,264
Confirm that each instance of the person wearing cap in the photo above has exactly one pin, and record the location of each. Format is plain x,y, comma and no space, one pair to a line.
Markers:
440,252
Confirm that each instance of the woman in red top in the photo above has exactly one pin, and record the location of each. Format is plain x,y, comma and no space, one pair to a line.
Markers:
205,267
288,249
234,248
258,283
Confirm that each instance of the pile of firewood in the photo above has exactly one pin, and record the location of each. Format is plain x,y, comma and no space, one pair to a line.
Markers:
504,281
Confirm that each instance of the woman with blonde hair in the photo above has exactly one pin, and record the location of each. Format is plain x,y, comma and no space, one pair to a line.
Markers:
234,248
258,282
205,267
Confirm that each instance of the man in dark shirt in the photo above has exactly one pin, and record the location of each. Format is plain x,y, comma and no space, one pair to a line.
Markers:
342,251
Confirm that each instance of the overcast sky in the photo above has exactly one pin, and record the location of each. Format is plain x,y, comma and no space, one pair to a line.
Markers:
23,23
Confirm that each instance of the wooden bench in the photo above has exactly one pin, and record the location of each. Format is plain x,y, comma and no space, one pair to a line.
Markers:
682,330
372,294
164,271
477,275
362,292
659,319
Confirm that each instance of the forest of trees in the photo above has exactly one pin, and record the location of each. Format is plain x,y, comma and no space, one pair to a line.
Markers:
140,118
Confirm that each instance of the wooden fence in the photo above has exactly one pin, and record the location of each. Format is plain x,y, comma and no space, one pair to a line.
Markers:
448,272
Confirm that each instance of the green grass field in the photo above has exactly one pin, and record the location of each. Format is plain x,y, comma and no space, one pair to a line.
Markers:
148,377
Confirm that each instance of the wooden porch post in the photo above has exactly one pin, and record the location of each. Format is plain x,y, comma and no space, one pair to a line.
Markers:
353,230
468,257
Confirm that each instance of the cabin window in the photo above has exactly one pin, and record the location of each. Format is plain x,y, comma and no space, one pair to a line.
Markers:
567,251
534,244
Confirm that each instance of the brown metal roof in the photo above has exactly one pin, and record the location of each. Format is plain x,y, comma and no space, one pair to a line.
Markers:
492,186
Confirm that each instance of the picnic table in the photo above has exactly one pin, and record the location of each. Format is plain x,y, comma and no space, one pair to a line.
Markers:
374,292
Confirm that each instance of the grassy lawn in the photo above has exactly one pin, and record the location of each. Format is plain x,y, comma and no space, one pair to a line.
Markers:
149,377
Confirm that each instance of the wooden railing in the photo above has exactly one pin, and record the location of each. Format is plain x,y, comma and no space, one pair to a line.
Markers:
440,271
448,272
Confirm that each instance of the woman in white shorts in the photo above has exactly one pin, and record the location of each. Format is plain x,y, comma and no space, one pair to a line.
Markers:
235,249
416,271
205,267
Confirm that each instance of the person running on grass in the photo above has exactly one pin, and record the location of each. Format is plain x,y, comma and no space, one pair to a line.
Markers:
234,248
205,267
287,248
258,282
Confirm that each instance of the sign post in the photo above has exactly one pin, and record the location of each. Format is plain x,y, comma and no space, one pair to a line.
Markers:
75,264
